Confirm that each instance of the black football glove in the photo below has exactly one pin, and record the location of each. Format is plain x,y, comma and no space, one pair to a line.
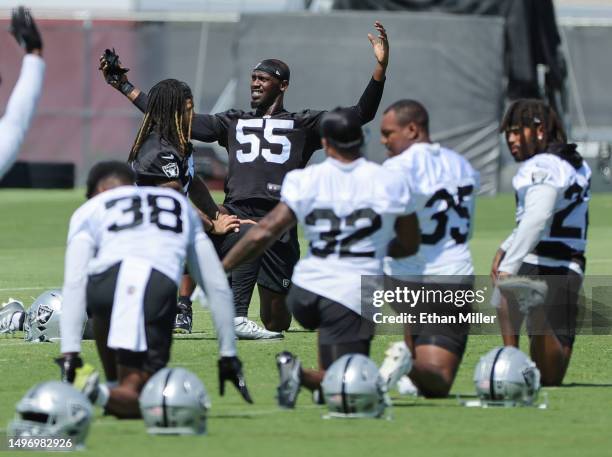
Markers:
24,29
230,368
115,73
68,365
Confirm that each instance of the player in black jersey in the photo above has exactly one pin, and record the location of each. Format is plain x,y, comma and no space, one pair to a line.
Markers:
263,146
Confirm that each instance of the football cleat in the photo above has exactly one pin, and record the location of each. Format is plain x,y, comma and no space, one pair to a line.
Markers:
398,362
246,329
12,316
290,375
87,380
405,386
183,322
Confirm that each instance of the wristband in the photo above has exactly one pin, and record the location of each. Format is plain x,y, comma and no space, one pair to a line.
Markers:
126,88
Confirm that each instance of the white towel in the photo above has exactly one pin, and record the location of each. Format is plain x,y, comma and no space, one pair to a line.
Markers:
127,330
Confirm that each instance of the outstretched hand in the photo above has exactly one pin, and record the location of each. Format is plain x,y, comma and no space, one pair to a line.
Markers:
380,44
24,29
110,65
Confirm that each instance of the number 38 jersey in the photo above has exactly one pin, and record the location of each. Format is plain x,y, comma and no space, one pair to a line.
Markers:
564,239
443,186
150,223
348,211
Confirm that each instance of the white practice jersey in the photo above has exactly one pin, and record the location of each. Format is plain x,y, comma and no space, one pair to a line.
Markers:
443,186
348,212
565,235
150,223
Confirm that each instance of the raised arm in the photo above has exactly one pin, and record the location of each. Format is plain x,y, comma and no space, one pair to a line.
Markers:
370,99
205,127
24,98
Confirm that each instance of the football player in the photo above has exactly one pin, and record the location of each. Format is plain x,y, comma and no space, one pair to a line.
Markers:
126,249
354,212
443,185
24,98
549,241
163,151
263,146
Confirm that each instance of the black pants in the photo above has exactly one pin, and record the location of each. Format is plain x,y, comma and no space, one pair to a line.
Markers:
272,270
159,312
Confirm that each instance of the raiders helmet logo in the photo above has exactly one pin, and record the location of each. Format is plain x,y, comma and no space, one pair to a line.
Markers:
171,170
43,314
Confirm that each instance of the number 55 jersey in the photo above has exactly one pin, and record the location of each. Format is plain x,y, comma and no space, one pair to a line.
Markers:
152,224
348,211
443,186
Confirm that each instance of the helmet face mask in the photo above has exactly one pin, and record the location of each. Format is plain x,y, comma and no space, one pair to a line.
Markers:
53,410
42,319
174,401
353,388
506,376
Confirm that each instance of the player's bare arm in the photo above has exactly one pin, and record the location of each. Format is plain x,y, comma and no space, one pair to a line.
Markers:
408,237
380,46
499,255
115,74
260,237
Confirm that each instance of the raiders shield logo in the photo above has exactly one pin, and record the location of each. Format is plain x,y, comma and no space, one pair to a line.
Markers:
43,314
286,283
171,170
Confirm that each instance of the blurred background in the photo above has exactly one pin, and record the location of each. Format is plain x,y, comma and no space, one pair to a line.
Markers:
464,59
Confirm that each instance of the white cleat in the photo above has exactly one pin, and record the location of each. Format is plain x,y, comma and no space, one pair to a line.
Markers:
398,362
246,329
12,315
405,386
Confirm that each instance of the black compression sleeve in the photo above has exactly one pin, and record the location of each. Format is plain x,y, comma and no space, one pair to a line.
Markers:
369,101
141,101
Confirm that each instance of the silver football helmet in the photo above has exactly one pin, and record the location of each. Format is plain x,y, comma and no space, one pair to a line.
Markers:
174,401
42,321
12,316
506,375
52,409
352,387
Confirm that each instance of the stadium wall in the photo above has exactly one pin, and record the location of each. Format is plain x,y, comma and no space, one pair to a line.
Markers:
451,63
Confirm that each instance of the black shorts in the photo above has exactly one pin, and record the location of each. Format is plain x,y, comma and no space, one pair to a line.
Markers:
562,300
159,312
337,324
447,335
273,270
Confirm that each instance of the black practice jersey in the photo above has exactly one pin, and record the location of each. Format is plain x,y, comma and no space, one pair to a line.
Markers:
263,149
158,159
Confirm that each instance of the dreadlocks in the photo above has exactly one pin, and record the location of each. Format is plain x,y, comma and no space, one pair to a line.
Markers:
532,113
167,115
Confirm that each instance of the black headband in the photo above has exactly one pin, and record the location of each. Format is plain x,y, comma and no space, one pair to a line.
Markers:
271,67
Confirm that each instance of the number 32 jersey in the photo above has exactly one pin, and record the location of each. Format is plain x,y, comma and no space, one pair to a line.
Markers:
348,211
149,223
443,186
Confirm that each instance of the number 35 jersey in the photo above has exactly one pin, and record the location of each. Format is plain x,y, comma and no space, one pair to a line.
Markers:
443,186
149,223
564,238
348,211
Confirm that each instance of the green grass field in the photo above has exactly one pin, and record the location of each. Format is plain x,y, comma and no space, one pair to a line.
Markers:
577,422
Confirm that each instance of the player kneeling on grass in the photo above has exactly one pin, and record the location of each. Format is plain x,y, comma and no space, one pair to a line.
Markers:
442,184
353,212
126,250
548,244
